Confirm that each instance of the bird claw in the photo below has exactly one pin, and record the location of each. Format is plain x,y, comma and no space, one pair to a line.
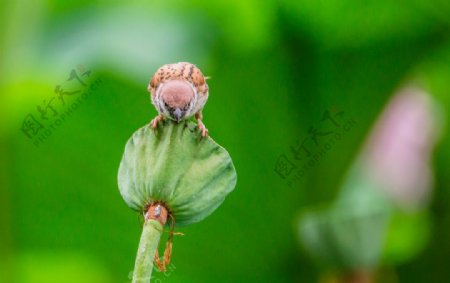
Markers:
154,124
201,126
202,129
155,121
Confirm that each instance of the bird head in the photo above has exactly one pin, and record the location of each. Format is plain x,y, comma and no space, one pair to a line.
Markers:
176,98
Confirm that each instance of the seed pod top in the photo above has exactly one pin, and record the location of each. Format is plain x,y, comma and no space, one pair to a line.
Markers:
190,177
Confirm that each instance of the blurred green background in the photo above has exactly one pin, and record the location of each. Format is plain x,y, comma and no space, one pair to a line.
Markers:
275,67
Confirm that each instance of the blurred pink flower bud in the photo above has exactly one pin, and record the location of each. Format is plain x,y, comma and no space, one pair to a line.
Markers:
398,152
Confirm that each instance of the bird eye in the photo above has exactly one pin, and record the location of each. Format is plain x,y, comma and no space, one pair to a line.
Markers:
170,109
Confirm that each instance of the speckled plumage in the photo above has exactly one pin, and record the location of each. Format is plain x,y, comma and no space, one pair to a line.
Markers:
178,92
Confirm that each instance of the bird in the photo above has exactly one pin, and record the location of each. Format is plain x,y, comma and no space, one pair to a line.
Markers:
179,91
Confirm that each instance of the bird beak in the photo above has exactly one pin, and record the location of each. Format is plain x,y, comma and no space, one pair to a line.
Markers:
178,114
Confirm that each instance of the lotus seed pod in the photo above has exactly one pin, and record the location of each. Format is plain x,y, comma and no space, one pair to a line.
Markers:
189,175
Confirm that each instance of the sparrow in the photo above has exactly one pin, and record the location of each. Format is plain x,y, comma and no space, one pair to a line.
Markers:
179,91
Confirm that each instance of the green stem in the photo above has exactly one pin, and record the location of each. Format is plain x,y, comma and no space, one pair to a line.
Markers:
148,245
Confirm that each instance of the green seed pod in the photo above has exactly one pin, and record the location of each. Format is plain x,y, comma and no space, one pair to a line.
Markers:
189,175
